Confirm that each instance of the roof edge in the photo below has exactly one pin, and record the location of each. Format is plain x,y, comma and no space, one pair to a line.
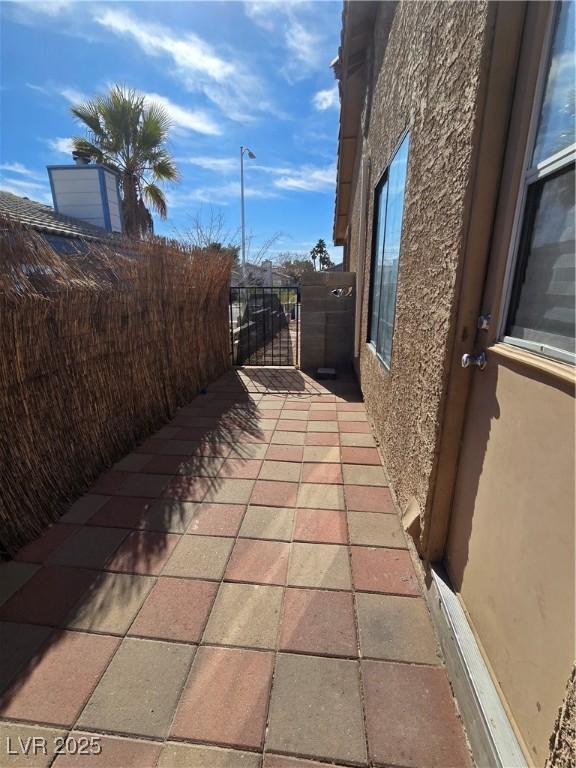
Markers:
358,18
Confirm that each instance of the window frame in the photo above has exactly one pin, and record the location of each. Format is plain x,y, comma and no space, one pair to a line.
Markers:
523,216
375,220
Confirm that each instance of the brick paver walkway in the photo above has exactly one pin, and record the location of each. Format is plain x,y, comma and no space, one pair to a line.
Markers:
234,593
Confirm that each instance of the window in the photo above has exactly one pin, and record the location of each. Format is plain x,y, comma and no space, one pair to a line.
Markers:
389,207
542,311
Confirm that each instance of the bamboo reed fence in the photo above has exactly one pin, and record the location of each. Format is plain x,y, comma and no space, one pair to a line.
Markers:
97,349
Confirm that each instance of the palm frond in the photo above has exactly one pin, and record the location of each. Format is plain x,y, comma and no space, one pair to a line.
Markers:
89,114
154,127
163,166
156,198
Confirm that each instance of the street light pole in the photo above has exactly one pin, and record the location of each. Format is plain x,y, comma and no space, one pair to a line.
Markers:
252,156
242,214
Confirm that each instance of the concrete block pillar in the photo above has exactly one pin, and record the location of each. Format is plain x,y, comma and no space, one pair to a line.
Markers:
327,320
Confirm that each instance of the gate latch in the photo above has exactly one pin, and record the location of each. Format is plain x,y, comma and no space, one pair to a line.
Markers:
483,322
479,360
342,292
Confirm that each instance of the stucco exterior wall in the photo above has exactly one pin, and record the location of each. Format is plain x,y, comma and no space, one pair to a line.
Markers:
427,80
563,740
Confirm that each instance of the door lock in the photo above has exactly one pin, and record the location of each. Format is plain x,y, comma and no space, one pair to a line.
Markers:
483,322
479,360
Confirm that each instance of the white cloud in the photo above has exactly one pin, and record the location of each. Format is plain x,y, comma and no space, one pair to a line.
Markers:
183,119
327,99
61,145
186,119
307,179
26,188
232,190
225,81
19,169
189,51
259,13
218,164
27,183
40,88
296,24
72,95
223,194
305,46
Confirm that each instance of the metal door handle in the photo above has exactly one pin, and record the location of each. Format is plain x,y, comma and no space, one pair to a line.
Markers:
479,360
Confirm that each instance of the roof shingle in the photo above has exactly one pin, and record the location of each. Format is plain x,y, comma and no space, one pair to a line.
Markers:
45,219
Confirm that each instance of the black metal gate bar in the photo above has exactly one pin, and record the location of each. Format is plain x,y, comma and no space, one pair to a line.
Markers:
265,325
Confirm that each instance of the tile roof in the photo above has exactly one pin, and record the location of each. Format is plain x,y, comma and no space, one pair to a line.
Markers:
45,219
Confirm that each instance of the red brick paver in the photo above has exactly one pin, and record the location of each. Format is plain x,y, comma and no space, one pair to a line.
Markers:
121,513
422,728
322,438
241,469
143,552
284,453
273,493
368,498
216,519
236,591
48,596
321,525
351,455
257,561
55,689
322,473
40,549
226,698
176,609
354,426
384,570
319,622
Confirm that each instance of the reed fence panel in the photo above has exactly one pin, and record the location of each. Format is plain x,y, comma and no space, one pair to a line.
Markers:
98,349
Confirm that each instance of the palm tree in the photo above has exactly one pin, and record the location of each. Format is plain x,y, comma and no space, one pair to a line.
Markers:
128,133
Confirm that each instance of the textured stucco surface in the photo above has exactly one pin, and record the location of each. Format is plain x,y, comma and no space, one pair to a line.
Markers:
563,740
427,80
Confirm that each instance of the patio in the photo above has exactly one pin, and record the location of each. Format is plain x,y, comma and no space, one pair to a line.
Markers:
237,591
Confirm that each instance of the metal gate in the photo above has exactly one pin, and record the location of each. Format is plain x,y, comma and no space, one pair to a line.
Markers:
265,325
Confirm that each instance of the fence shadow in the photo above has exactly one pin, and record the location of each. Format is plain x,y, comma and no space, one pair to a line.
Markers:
97,566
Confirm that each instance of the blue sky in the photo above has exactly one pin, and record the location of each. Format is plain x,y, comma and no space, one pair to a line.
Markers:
229,73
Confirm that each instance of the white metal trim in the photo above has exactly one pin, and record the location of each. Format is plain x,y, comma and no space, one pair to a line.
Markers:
491,728
542,349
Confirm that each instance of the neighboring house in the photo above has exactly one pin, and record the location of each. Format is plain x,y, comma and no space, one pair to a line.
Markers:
87,205
64,233
455,205
260,275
